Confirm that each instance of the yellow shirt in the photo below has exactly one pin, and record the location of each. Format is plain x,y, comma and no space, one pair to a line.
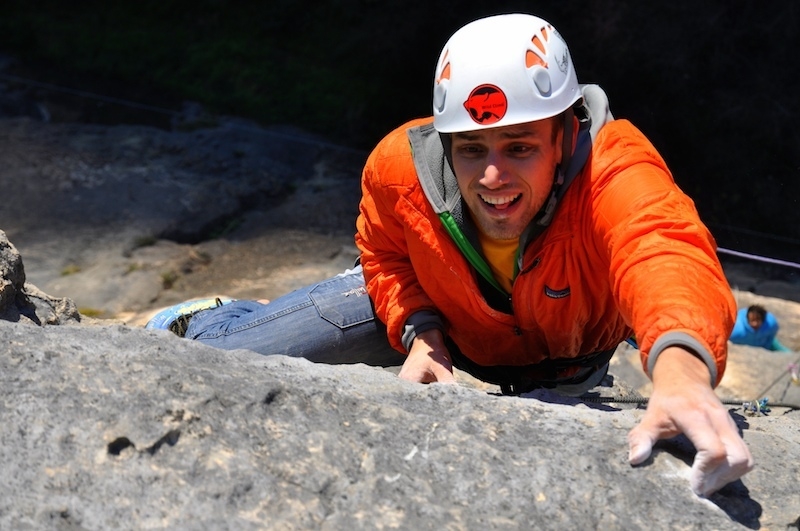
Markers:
500,255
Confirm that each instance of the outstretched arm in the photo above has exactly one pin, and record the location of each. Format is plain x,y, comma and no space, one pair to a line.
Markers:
684,402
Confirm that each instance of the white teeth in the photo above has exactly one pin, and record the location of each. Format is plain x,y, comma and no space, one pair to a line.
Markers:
499,200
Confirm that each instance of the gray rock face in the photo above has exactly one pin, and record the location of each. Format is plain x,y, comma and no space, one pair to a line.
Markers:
113,427
21,301
12,273
119,427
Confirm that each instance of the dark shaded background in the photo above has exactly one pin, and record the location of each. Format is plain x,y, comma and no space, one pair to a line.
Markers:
713,84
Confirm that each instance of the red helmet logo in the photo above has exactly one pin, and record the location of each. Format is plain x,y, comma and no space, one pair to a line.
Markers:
486,105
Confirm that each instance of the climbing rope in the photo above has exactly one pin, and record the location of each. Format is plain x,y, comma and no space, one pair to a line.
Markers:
758,258
759,406
792,370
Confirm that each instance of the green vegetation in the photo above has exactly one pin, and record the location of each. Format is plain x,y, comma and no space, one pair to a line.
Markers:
168,279
144,241
224,228
92,312
71,269
131,268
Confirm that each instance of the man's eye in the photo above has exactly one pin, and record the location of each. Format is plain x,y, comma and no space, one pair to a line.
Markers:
469,149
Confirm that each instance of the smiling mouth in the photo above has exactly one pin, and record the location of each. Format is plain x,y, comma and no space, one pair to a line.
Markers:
501,202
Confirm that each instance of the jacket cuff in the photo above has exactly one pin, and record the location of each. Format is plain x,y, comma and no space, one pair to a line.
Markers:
419,322
682,339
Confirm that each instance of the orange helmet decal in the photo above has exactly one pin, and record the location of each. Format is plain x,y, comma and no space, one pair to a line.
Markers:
487,104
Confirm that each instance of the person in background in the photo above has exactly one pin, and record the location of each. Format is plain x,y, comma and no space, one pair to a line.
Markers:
520,234
757,327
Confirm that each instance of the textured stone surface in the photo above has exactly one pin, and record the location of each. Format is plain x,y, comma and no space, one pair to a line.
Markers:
24,302
116,427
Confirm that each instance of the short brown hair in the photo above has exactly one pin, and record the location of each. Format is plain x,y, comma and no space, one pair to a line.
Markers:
759,310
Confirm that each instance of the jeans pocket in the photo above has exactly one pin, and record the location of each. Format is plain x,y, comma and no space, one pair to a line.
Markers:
343,301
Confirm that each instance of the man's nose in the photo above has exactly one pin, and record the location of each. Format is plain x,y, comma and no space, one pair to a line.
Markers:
494,175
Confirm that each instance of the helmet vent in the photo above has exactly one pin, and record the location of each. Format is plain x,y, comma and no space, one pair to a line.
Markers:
442,83
538,43
538,54
541,78
532,59
440,95
445,73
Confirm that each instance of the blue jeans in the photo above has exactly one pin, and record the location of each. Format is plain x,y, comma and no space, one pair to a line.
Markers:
329,322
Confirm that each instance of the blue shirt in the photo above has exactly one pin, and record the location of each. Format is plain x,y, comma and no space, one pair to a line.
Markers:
744,334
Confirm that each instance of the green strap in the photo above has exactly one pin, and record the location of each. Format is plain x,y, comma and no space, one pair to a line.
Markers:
468,250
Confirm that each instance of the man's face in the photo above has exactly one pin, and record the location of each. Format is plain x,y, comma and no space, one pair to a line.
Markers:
505,174
754,320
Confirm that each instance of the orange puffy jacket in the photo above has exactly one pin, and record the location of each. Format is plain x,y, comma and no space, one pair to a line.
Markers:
625,253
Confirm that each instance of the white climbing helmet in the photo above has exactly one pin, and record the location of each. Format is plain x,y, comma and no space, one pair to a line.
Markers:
502,70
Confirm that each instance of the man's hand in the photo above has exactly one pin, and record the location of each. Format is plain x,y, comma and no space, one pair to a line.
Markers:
684,402
428,360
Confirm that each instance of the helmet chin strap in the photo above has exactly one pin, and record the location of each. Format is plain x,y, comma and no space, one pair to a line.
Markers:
566,141
545,214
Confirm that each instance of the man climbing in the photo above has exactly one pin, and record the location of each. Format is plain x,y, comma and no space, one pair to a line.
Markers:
757,327
520,234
